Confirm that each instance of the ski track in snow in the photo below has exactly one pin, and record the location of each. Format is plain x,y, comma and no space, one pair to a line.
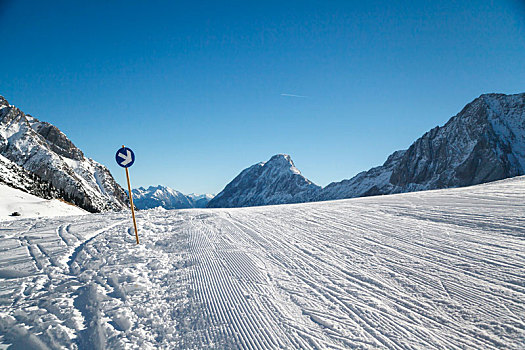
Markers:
428,270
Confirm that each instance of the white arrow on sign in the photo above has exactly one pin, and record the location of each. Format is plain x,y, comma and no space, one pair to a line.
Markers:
127,157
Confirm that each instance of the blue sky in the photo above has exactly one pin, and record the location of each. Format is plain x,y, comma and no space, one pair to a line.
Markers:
200,90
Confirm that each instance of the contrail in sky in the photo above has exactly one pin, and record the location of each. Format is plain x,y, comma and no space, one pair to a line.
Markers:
292,95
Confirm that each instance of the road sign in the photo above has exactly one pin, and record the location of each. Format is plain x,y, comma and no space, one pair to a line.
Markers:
125,157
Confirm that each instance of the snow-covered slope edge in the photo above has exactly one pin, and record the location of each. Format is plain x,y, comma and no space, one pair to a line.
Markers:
484,142
167,198
276,181
28,206
45,151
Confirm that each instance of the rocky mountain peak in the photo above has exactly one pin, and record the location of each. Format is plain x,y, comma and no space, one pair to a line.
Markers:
276,181
10,115
57,140
281,159
484,142
3,102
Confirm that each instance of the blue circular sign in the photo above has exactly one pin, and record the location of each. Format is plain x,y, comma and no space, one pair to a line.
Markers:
125,157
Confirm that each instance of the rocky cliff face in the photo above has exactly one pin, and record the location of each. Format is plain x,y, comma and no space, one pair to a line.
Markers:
17,177
484,142
43,150
276,181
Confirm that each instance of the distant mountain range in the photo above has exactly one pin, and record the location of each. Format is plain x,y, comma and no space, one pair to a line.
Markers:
38,158
484,142
200,200
162,196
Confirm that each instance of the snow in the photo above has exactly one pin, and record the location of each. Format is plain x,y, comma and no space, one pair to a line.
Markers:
13,200
426,270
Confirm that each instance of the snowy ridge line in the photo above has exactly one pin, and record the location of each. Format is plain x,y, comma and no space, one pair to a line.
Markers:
167,198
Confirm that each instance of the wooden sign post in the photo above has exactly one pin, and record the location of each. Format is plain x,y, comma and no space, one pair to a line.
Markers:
125,158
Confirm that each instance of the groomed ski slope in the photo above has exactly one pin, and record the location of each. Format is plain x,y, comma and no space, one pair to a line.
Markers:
428,270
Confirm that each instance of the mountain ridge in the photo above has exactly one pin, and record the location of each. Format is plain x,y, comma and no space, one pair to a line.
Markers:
484,142
43,150
167,198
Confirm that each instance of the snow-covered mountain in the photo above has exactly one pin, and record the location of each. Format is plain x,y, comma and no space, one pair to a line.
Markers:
167,198
276,181
43,150
484,142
